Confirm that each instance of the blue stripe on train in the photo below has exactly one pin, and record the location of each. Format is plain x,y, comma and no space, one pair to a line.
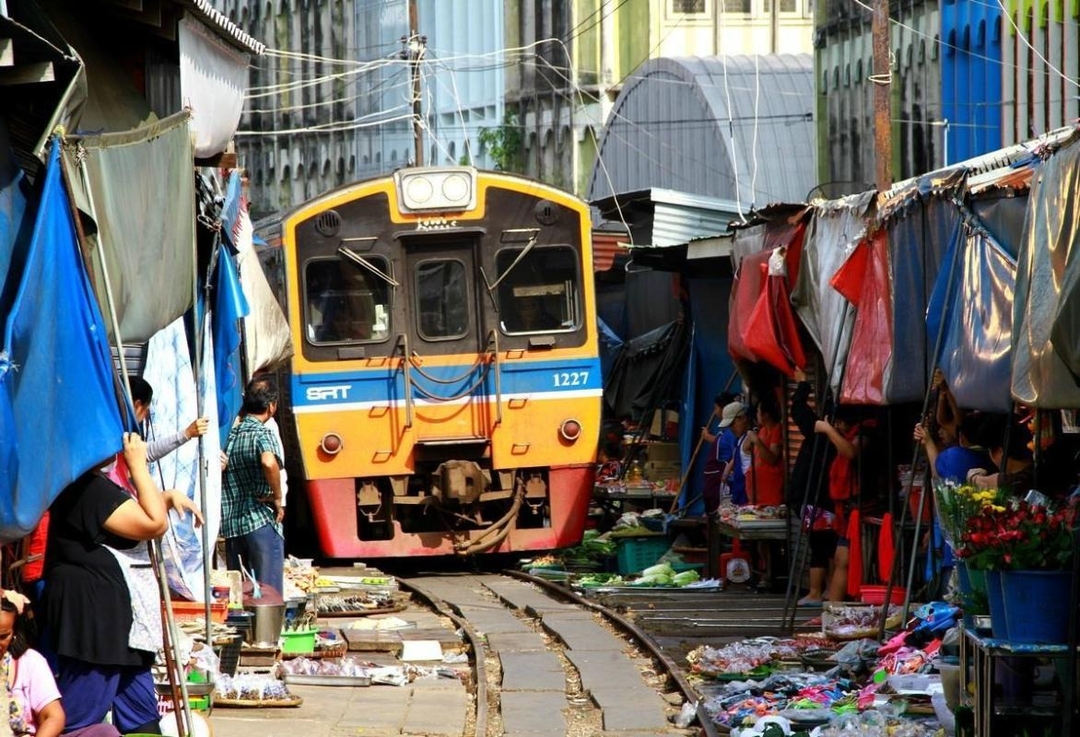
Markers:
445,382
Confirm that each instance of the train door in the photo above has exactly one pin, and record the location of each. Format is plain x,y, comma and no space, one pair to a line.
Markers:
446,334
444,315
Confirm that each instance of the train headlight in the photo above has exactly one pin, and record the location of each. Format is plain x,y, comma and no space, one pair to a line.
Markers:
331,444
570,430
436,189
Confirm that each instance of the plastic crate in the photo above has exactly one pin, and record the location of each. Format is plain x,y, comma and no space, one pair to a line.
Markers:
635,554
195,611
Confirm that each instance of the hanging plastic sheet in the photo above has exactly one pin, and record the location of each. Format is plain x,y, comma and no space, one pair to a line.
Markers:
16,221
748,286
865,276
176,404
831,236
772,333
267,341
974,309
1046,355
56,374
229,307
918,238
138,189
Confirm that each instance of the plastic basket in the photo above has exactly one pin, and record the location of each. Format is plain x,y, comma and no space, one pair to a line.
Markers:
195,611
635,554
299,641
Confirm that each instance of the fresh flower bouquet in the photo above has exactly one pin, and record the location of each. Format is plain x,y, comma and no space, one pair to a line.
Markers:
957,503
1018,536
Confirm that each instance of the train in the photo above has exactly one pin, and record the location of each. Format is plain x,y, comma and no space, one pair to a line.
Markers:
444,396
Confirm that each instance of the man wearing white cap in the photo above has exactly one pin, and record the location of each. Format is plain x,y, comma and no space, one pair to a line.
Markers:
723,468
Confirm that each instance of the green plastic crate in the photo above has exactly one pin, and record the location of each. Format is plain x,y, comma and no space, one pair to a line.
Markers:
635,554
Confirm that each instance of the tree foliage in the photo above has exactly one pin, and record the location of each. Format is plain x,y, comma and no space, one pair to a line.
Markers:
505,143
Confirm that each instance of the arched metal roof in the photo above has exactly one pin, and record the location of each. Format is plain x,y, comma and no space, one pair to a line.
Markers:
673,123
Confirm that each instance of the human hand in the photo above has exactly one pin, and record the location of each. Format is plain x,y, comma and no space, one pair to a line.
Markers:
751,437
18,600
279,512
920,433
938,379
197,428
822,426
134,451
181,504
800,375
223,457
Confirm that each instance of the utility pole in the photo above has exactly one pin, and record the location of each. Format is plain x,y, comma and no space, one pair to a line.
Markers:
415,45
882,79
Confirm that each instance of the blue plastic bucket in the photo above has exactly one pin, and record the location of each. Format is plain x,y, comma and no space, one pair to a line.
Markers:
999,622
1035,605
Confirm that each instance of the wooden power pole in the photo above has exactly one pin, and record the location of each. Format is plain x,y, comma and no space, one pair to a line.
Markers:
414,53
882,79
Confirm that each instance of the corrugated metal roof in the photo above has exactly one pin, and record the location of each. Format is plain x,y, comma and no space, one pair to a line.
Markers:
205,11
671,218
673,123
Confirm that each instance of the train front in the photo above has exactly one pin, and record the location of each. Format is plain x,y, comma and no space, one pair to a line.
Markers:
446,389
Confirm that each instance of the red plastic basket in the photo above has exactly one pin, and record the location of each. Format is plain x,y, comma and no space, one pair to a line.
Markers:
876,594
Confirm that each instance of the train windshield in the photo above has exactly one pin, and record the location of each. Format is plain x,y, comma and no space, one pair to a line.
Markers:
540,294
346,303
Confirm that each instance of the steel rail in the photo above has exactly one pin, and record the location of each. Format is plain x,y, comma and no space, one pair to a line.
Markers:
708,727
477,644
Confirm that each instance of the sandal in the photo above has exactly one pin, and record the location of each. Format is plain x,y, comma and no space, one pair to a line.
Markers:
809,603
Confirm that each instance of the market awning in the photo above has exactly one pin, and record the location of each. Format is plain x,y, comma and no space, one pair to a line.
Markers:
1045,346
835,230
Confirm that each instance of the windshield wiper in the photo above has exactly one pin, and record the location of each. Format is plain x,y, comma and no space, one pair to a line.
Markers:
516,261
361,261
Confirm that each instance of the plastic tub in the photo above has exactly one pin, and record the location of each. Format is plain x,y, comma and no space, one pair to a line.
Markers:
876,595
298,641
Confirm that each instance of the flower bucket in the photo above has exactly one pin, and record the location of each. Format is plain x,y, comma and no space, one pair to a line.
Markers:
1035,605
999,623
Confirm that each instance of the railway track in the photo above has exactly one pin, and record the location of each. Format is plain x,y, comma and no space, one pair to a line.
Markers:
544,661
610,646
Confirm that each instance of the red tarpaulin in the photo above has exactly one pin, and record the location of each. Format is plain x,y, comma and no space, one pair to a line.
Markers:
772,333
744,296
872,336
762,326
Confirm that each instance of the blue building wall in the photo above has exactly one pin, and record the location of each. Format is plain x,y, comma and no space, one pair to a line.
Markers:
971,75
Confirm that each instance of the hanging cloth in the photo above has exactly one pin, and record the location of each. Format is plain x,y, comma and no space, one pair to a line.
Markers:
854,536
886,548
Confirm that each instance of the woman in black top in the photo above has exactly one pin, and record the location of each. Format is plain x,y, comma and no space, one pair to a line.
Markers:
89,604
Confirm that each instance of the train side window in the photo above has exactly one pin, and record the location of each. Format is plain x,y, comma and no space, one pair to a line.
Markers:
442,299
345,303
540,294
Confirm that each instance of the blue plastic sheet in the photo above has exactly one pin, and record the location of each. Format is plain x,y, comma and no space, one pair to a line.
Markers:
57,387
229,306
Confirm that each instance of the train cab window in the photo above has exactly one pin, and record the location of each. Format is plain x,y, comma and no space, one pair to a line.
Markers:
442,296
346,303
540,293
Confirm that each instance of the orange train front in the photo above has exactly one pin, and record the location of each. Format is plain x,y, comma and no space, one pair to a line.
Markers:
445,393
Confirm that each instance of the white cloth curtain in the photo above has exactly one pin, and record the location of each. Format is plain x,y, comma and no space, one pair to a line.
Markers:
213,80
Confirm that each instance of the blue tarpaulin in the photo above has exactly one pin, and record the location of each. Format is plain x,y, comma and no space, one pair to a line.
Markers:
58,381
229,306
